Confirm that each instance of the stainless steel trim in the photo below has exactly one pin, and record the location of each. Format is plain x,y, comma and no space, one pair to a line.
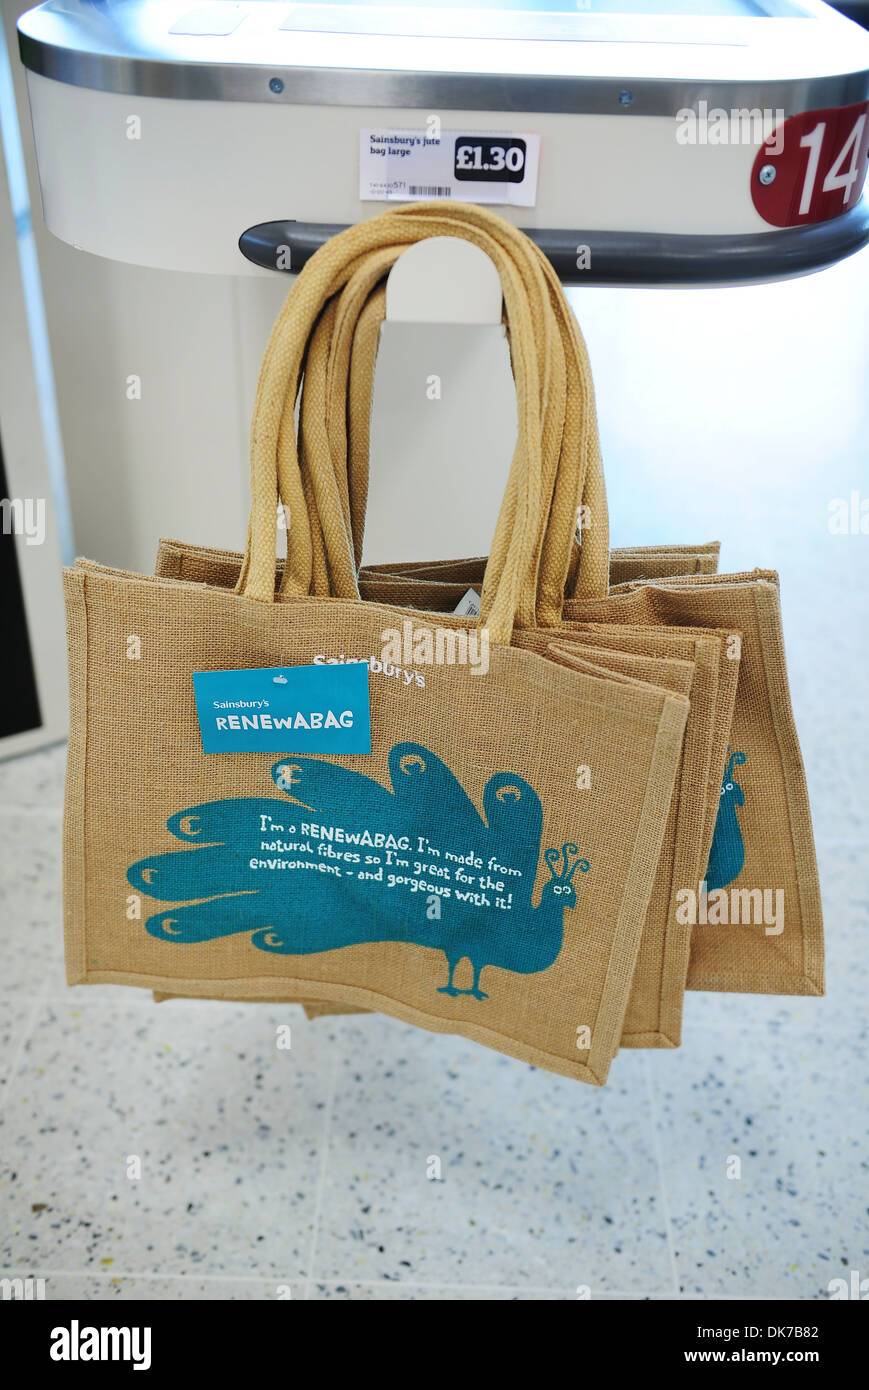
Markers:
128,47
428,91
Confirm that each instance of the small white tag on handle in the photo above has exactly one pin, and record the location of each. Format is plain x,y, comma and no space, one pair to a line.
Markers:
469,604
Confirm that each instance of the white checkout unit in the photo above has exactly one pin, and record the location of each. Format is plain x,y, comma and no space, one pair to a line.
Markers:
638,141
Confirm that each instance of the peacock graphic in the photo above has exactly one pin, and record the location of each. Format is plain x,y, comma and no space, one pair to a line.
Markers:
344,860
727,854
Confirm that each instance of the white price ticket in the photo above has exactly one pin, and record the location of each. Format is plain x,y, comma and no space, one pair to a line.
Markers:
411,165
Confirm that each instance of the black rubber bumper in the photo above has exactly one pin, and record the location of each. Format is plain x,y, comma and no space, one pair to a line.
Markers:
625,258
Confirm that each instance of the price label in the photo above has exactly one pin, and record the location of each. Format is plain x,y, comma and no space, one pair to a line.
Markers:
406,165
490,159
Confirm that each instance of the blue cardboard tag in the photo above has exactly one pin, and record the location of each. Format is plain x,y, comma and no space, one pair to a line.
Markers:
285,709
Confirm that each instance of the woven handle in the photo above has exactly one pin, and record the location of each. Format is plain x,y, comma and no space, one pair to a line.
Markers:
348,406
348,401
329,309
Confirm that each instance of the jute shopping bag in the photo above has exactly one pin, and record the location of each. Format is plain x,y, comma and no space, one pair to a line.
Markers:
627,563
755,911
654,1012
431,587
497,870
653,1016
756,915
657,995
785,954
641,562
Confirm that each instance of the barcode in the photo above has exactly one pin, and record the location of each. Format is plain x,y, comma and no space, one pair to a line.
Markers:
430,190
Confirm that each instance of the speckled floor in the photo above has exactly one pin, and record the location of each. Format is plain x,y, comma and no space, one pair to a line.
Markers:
265,1172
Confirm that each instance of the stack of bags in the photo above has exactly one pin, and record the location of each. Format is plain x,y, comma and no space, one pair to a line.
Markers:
614,811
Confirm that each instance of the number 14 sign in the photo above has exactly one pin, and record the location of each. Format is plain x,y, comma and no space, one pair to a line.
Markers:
819,163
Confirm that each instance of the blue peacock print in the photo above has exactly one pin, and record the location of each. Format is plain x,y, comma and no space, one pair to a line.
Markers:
344,860
727,855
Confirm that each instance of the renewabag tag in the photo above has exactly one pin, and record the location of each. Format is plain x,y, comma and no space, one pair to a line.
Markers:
285,709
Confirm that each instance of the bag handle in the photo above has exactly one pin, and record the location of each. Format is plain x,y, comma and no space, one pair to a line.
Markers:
527,539
349,405
350,393
280,369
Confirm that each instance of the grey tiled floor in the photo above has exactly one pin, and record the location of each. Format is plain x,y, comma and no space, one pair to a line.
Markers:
267,1171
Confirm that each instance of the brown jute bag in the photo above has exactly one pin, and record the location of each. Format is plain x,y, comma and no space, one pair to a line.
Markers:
755,913
653,1017
763,931
634,561
327,431
496,860
757,925
764,950
627,563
